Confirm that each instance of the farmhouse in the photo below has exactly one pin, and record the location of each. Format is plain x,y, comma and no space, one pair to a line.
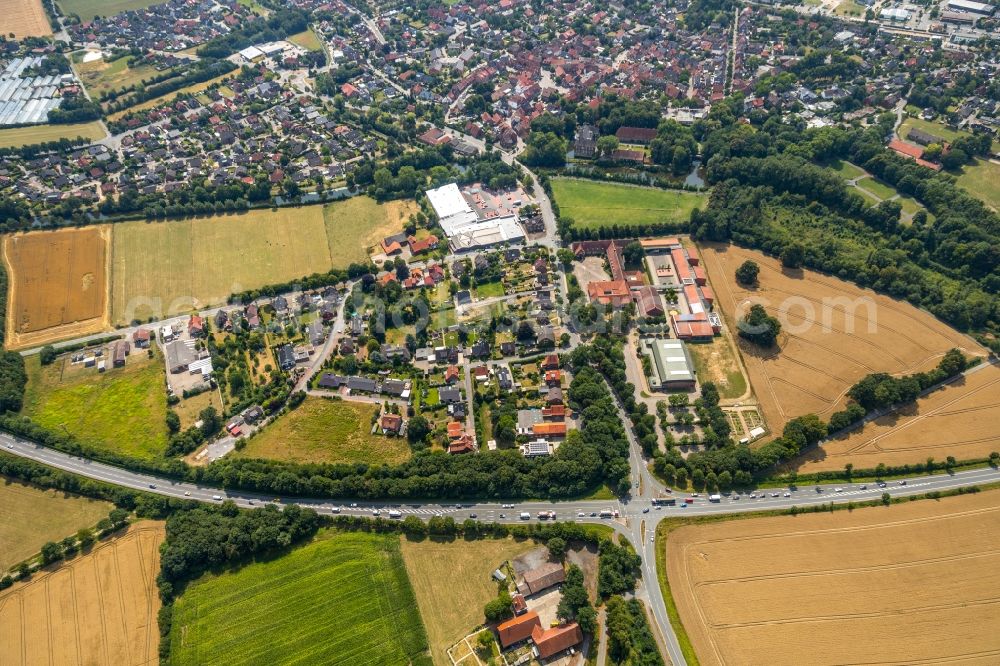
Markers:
611,292
551,642
639,135
518,629
671,367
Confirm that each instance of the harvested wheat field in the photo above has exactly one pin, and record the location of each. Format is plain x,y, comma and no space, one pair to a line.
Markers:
833,334
910,583
24,18
98,608
58,284
959,419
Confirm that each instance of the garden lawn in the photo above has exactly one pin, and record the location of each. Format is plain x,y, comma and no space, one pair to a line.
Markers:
344,598
846,170
122,410
489,290
329,431
596,204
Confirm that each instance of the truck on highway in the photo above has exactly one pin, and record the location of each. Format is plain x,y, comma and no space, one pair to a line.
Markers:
395,513
525,515
545,515
664,501
607,513
715,498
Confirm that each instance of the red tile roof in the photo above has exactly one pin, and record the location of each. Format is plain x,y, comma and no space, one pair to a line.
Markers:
518,629
557,639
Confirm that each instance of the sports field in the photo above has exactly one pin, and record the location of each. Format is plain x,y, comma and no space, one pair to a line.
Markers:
833,334
30,516
172,267
342,599
910,583
958,420
58,285
88,9
121,410
452,605
330,431
98,608
23,136
594,204
23,18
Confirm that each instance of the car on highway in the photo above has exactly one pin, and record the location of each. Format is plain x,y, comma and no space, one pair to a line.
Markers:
354,505
838,490
187,493
217,497
251,502
335,509
734,497
376,512
503,516
506,506
472,515
863,487
775,495
903,482
580,514
593,514
753,495
152,485
788,494
652,538
10,446
645,509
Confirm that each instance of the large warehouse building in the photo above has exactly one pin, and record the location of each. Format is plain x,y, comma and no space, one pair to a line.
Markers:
981,8
671,367
493,221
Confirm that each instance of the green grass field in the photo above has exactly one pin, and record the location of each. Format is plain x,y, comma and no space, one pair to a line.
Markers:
489,290
330,431
342,599
192,89
168,268
100,76
88,9
356,224
876,187
849,8
23,136
594,204
982,180
307,39
121,410
31,516
847,170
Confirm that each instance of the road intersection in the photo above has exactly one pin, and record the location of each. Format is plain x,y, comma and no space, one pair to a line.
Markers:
637,515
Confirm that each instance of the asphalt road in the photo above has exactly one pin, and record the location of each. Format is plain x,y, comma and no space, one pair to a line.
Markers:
637,517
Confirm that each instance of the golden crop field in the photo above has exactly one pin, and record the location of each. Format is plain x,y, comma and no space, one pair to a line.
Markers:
833,334
30,516
24,18
354,225
957,420
452,606
58,285
98,608
912,583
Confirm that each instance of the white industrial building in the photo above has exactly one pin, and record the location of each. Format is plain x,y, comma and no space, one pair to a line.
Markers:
896,14
980,8
466,228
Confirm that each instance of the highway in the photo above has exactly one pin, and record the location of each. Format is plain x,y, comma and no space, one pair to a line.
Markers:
637,516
